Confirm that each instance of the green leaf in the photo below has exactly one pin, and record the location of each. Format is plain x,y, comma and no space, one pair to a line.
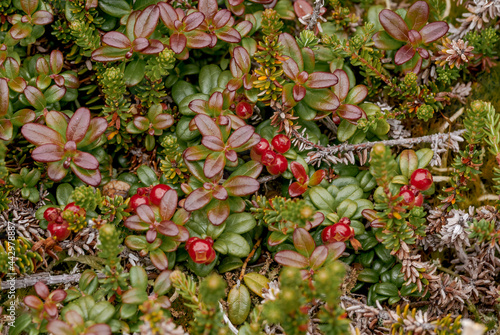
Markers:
345,130
101,312
209,75
387,289
128,310
134,72
20,324
182,89
92,261
116,8
256,282
408,162
63,193
232,244
291,49
238,304
424,157
138,277
146,175
162,283
230,263
134,296
321,198
182,130
303,242
240,223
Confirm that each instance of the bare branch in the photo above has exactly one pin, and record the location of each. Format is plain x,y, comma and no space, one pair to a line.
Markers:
45,277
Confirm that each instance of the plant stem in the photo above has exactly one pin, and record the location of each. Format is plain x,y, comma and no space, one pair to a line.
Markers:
45,277
244,267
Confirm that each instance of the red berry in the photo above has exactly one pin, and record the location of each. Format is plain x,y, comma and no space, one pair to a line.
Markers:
408,198
143,191
419,200
59,230
201,251
279,165
345,220
75,209
281,143
339,232
244,110
157,193
51,213
137,200
336,119
268,157
421,179
262,146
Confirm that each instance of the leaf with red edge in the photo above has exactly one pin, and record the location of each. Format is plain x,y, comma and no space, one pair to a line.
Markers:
90,177
335,249
97,127
168,204
141,123
42,290
356,95
229,35
146,214
85,160
218,212
168,14
42,18
299,172
341,89
146,22
134,222
291,258
56,61
417,15
100,328
404,54
240,186
384,41
17,84
154,47
198,39
56,171
291,49
321,80
163,121
196,153
317,177
78,125
208,8
196,169
213,143
58,295
214,164
136,295
276,238
140,44
29,6
33,302
199,198
434,31
350,113
116,40
221,18
215,103
250,143
322,100
250,169
291,69
58,327
48,153
6,130
20,30
240,137
296,189
318,257
168,228
394,25
4,97
369,214
23,116
298,92
423,53
193,21
220,193
39,135
198,106
207,126
303,242
108,54
51,309
317,219
35,97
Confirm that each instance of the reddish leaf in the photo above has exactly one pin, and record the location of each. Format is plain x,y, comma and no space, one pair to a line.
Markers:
356,95
394,25
276,238
90,177
221,18
335,249
291,49
423,53
141,123
291,69
318,219
404,54
18,84
296,189
321,80
214,164
207,126
317,177
58,327
213,143
241,136
33,302
42,66
298,92
40,135
146,214
56,61
196,153
229,35
341,89
168,228
417,15
240,186
291,258
350,113
20,30
220,193
303,242
42,18
198,39
58,295
168,14
198,106
134,222
434,31
178,42
100,328
4,97
369,214
78,125
146,22
85,160
56,171
218,212
108,54
42,290
244,27
168,204
29,6
140,44
97,127
322,100
6,129
302,8
414,37
193,21
35,97
48,153
159,259
318,257
116,40
299,172
208,8
231,155
154,47
196,169
23,116
163,121
199,198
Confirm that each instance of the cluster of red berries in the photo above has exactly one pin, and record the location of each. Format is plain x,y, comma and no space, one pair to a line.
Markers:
201,251
339,232
420,180
148,195
271,154
244,110
58,227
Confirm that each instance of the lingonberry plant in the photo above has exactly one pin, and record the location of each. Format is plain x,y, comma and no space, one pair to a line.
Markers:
249,166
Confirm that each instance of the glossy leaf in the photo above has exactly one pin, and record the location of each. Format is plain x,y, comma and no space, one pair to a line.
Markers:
434,31
296,189
241,136
40,135
239,304
241,186
214,163
42,18
35,97
404,54
303,242
85,160
394,25
417,15
321,80
356,95
350,113
291,49
108,54
78,125
322,100
384,41
116,40
218,212
4,97
207,126
48,153
199,198
6,130
291,258
91,177
318,257
146,22
159,259
256,282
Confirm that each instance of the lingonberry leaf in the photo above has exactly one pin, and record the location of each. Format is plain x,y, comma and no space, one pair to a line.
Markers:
213,143
241,136
384,41
116,40
335,249
146,214
42,290
434,31
97,127
208,7
417,15
423,53
318,257
303,242
54,93
178,42
154,47
214,163
134,222
196,152
56,61
341,89
59,327
85,160
29,6
78,125
168,228
100,328
404,54
108,54
291,258
4,97
394,25
91,177
6,130
321,80
56,170
168,204
57,295
229,35
163,121
218,212
296,189
140,44
350,113
42,18
291,49
299,172
198,39
38,134
322,100
33,302
276,238
290,68
241,185
250,169
35,97
146,22
317,177
199,198
298,92
221,18
20,30
220,193
193,21
356,95
48,153
207,126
